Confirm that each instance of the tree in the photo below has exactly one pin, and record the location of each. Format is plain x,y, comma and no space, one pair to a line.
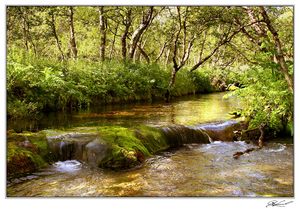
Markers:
178,63
73,47
278,46
127,21
103,28
262,34
145,21
52,25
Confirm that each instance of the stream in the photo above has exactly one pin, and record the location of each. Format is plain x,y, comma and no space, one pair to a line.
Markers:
192,170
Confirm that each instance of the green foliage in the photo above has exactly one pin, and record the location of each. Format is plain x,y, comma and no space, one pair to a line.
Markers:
267,99
38,85
202,81
41,76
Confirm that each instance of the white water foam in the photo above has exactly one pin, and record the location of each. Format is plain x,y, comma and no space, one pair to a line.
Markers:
67,166
277,148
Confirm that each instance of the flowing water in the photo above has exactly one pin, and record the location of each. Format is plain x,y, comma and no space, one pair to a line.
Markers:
189,110
193,170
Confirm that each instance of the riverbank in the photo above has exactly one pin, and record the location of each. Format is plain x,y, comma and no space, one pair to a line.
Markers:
36,85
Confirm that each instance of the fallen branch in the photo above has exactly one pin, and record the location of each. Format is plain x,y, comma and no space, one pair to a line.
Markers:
260,143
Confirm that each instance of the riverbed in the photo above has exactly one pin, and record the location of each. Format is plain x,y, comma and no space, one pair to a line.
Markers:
192,170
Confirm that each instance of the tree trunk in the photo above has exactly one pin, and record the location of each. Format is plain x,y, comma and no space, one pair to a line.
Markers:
279,52
73,46
139,31
161,52
261,138
186,51
112,48
167,57
127,22
123,41
171,83
52,24
145,55
102,26
25,31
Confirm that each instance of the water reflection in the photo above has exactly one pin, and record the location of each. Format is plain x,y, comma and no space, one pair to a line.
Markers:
188,110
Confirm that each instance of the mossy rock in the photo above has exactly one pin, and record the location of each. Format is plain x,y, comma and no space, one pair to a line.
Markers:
21,160
26,152
113,147
130,147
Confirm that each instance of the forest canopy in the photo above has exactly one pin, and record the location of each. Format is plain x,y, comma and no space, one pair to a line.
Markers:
72,57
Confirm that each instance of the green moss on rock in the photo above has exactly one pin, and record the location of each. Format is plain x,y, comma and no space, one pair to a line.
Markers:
130,147
26,152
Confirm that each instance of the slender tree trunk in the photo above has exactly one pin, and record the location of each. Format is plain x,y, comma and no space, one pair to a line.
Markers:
123,41
187,47
167,57
261,138
25,31
279,52
127,22
139,31
73,46
102,26
145,55
112,48
173,76
161,52
137,55
52,24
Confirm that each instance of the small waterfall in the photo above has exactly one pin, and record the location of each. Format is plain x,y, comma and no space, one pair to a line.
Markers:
178,135
92,149
70,146
221,131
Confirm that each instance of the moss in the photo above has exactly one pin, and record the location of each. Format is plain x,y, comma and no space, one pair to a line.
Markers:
122,137
126,149
22,160
152,138
128,146
26,152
